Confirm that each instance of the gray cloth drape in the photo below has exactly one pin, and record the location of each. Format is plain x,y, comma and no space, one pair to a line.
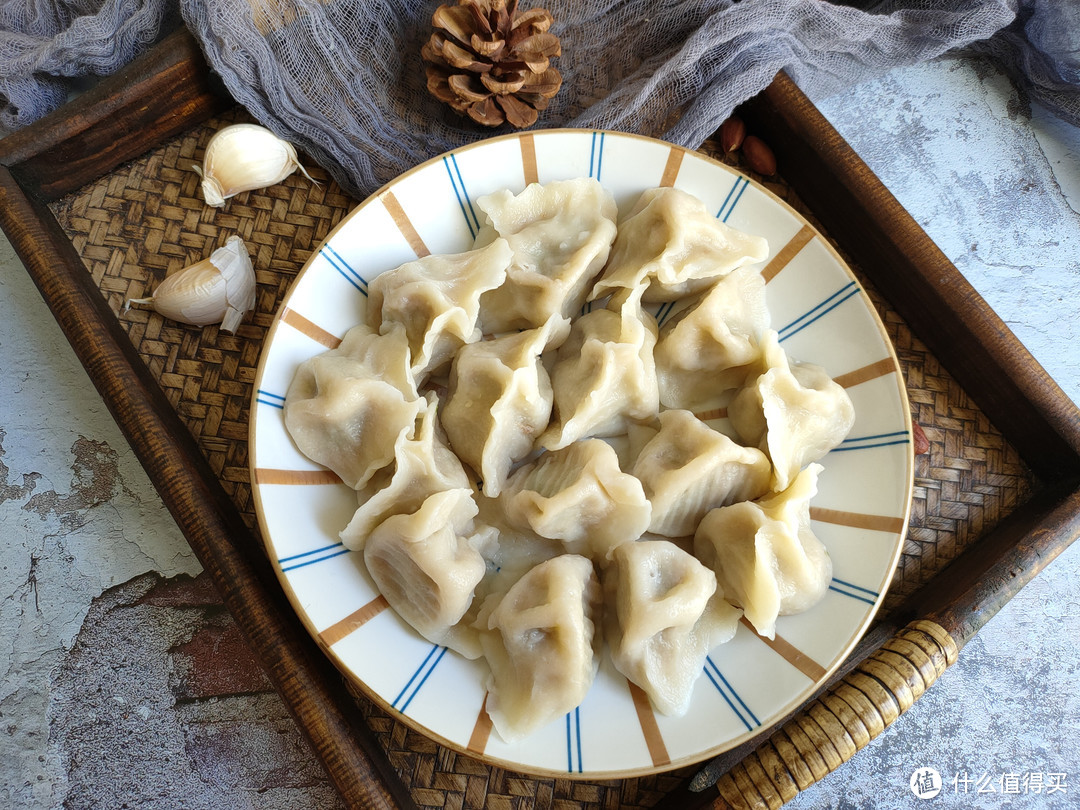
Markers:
343,79
47,45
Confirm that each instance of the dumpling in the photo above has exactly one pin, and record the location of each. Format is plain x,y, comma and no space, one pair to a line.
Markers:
793,411
662,615
541,641
580,496
711,346
437,299
604,377
673,243
499,400
687,468
766,557
347,407
423,465
517,549
561,234
385,356
427,566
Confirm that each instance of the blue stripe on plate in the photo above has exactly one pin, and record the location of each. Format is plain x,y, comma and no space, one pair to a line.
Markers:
325,553
878,440
458,183
596,155
876,436
419,678
730,696
854,591
344,268
664,312
818,311
268,398
732,199
303,554
573,741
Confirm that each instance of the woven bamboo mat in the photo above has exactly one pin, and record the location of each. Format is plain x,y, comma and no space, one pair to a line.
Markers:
148,219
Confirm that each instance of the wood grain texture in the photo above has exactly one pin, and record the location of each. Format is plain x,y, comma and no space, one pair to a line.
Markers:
201,508
166,91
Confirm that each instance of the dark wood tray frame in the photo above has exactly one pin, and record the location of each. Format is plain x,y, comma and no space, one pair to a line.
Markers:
170,90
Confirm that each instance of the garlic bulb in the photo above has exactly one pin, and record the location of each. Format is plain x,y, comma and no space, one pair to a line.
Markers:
219,289
243,157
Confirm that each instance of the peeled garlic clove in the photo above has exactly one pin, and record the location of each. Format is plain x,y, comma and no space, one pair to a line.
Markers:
218,289
243,157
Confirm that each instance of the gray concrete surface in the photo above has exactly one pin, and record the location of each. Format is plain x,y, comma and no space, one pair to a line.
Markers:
996,184
103,699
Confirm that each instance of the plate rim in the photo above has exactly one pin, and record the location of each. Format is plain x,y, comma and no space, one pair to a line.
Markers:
784,712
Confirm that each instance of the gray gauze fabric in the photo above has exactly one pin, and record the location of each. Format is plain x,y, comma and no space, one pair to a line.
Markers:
344,81
1041,51
45,44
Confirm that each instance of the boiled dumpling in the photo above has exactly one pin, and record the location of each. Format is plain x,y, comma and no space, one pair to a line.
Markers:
427,566
437,299
423,465
499,400
347,407
793,411
671,242
766,557
687,468
512,552
518,549
711,346
560,233
541,641
662,616
604,377
580,496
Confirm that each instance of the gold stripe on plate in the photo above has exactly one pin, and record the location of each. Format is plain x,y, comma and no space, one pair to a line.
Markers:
671,168
788,252
870,372
649,727
481,732
528,159
715,413
310,328
856,520
354,621
401,219
790,653
267,475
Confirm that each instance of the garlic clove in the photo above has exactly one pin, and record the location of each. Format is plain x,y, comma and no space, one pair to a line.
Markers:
244,157
218,289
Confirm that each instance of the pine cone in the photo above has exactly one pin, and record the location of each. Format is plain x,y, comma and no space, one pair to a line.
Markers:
492,63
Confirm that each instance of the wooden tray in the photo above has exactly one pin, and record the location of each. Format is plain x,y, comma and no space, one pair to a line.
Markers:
99,201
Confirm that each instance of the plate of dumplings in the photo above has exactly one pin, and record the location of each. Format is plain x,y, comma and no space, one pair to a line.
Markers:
581,453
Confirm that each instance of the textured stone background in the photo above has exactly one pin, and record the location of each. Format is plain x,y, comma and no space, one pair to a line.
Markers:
995,182
123,683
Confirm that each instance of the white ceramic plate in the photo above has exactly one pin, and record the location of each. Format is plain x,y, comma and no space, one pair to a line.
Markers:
860,512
